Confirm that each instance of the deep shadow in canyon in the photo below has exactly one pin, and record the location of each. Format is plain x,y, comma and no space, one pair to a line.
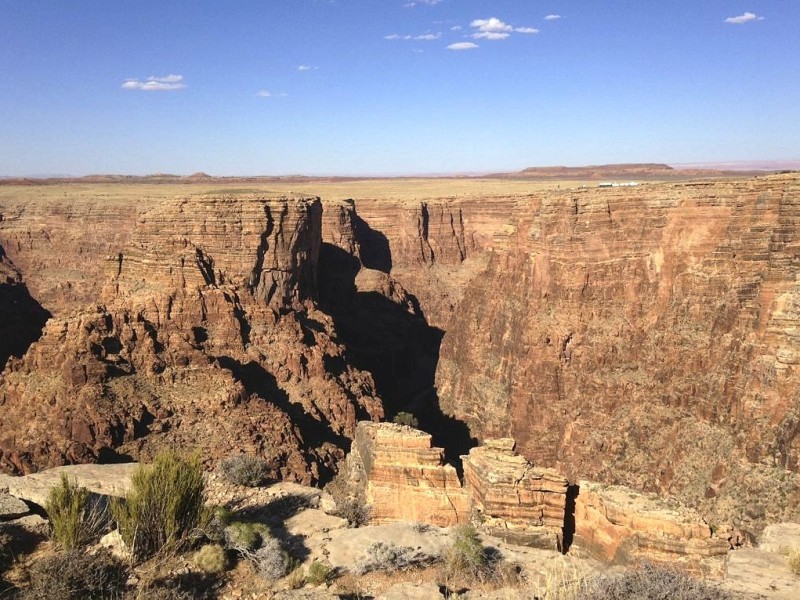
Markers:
22,318
392,341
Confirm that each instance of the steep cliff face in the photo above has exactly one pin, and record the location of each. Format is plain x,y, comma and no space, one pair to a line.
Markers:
203,333
643,336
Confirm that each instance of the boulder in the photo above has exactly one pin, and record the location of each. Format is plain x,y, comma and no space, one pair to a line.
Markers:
103,480
620,525
12,508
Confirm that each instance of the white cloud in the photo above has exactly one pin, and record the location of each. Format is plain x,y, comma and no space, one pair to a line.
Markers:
492,25
495,29
462,46
156,84
552,17
455,28
268,94
428,36
306,68
395,36
744,18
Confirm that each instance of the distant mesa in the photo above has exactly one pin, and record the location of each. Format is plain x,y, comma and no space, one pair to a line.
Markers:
199,176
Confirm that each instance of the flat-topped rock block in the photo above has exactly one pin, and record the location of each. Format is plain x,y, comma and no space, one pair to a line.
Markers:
620,525
104,480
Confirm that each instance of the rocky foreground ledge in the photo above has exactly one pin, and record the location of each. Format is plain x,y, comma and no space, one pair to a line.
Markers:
516,504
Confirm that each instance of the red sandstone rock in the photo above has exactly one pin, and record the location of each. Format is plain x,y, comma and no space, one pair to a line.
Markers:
207,338
406,478
514,498
644,336
619,525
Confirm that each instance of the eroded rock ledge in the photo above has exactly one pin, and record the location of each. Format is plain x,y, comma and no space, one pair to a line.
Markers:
404,478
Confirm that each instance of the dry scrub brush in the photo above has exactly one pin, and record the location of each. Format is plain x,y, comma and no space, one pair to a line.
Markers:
75,574
794,560
644,582
245,470
164,505
388,556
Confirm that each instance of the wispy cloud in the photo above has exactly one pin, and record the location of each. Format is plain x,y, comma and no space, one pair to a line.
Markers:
156,84
425,37
462,46
423,2
744,18
268,94
552,17
306,68
495,29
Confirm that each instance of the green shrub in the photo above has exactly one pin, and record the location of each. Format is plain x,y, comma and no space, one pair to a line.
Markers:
74,519
245,537
465,558
211,559
318,573
73,574
164,505
245,470
406,418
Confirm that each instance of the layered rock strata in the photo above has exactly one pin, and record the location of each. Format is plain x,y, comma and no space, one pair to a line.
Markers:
644,336
204,334
619,525
406,478
514,499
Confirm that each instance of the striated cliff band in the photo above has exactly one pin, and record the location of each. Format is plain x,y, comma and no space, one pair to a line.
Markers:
643,336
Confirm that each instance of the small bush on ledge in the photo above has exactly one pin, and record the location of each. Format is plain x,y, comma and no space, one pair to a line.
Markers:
74,519
245,470
466,559
163,506
406,418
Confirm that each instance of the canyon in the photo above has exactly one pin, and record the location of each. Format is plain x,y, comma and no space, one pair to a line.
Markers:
644,337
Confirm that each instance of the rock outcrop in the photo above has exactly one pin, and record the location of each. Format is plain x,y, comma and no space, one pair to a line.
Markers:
405,476
514,499
203,333
620,525
101,480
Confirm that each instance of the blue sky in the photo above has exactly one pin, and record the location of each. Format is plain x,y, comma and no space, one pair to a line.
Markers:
366,87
